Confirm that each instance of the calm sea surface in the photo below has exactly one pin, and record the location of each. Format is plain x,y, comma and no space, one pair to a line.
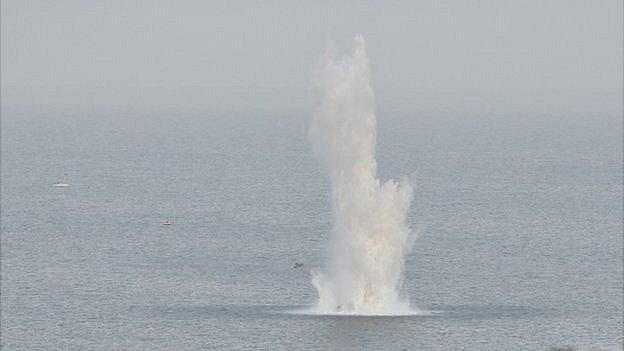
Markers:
520,222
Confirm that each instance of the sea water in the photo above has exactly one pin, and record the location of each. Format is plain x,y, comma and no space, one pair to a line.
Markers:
520,246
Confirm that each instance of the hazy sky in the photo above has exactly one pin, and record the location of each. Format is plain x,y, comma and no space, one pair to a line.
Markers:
261,54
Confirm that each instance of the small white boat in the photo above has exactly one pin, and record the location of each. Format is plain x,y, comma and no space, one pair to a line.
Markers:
61,184
168,222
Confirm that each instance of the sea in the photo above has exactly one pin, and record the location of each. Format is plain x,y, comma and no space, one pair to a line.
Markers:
518,216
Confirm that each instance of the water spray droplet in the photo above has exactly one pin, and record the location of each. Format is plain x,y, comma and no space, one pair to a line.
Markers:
369,240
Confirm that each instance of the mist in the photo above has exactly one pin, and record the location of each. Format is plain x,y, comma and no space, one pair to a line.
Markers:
428,56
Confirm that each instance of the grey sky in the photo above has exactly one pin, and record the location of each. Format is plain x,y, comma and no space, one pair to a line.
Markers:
261,54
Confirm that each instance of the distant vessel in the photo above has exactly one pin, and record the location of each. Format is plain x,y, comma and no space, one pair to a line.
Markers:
61,184
168,222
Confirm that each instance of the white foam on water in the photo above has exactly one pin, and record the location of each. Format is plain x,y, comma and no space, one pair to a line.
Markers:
315,311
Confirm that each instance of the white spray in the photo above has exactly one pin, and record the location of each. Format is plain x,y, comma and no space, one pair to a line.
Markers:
369,238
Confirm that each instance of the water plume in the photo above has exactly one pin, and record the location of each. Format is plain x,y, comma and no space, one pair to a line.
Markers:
369,238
